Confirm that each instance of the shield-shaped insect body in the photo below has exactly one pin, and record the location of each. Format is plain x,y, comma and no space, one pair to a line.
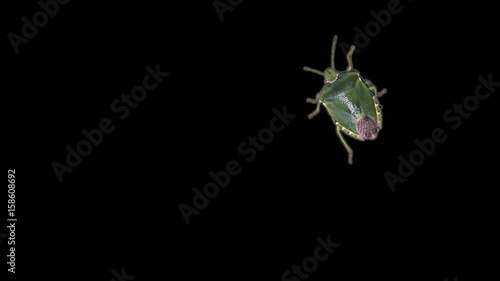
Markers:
351,101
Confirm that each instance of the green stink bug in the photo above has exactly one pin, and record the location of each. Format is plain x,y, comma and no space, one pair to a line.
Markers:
350,100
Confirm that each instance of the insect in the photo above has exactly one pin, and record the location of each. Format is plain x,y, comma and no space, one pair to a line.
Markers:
351,101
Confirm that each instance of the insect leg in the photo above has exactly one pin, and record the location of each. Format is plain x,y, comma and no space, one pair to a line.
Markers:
373,88
381,93
346,146
318,106
349,57
370,85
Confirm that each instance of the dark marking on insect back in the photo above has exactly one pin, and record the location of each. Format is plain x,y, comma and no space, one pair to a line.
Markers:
367,127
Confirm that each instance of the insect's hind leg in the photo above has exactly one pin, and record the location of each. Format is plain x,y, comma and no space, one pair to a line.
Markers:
344,143
318,106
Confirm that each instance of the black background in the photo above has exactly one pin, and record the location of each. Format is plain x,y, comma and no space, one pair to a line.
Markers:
119,207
